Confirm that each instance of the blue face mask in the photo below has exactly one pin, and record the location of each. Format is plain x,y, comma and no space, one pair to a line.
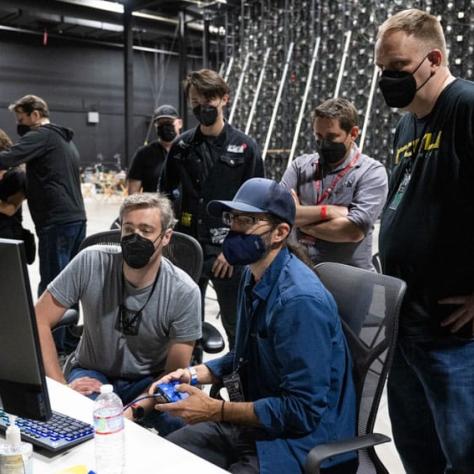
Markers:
243,249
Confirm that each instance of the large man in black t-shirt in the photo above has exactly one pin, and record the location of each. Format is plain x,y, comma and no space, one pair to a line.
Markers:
427,238
53,187
206,163
148,160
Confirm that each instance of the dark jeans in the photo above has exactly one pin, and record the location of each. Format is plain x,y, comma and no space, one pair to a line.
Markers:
226,290
57,245
128,390
431,405
232,447
225,445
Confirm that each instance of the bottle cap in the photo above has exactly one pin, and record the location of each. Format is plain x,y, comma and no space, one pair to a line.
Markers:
106,388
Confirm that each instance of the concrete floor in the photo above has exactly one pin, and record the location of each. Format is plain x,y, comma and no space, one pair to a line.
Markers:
102,211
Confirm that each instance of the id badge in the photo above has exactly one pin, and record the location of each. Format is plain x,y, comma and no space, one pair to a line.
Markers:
234,387
400,192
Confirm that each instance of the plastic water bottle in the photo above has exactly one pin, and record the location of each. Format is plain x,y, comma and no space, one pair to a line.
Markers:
109,432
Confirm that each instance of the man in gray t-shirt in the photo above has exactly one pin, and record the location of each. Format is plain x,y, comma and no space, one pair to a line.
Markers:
142,314
339,192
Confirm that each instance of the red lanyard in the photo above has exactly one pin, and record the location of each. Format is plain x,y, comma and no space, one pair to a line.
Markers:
336,180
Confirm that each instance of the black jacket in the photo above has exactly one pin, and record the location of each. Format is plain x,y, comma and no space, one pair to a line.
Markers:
53,187
207,168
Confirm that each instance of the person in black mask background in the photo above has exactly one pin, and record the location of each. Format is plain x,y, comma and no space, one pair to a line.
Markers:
426,239
142,314
209,162
338,191
53,190
148,161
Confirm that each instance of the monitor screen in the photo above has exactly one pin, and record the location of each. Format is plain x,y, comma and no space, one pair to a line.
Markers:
23,390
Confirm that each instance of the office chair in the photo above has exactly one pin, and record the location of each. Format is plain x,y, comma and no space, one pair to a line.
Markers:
183,251
377,263
372,348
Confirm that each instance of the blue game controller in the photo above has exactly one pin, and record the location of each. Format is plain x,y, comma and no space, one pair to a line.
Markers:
167,393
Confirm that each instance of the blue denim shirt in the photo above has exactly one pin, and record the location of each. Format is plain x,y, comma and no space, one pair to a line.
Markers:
294,364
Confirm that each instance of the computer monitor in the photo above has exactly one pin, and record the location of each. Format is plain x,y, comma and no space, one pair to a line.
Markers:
23,389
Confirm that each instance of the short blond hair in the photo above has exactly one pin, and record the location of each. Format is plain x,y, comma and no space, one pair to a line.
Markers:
150,200
421,25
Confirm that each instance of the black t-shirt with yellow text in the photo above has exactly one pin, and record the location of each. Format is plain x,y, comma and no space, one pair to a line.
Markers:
427,227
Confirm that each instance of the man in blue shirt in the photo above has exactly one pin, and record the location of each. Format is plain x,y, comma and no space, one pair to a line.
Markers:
289,376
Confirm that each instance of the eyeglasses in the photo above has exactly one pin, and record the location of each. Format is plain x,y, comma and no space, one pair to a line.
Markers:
241,219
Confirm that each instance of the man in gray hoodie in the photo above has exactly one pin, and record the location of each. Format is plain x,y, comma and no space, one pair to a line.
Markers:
53,187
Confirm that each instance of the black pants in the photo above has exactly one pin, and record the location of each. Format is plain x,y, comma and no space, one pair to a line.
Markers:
232,447
228,446
226,290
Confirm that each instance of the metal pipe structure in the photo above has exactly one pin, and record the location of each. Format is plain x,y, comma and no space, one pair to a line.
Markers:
229,67
277,101
182,68
205,43
343,63
369,107
257,91
239,88
128,82
304,100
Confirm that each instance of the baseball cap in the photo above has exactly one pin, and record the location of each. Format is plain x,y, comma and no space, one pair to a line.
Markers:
259,195
165,111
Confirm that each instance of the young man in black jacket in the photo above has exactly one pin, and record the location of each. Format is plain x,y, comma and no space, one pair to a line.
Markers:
53,187
210,162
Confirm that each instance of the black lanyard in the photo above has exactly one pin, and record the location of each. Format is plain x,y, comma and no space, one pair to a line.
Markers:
128,321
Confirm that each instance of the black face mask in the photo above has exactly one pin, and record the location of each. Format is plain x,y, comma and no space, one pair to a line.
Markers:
399,87
166,132
137,250
22,129
206,114
330,152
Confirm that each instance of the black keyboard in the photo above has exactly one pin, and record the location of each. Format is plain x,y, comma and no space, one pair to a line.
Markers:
58,433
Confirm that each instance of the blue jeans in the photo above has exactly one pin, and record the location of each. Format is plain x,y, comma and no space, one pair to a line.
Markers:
128,390
57,245
431,405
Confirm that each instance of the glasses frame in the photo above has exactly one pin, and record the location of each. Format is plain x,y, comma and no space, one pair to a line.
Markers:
243,220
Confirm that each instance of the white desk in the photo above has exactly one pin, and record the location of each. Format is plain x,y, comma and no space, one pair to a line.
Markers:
146,453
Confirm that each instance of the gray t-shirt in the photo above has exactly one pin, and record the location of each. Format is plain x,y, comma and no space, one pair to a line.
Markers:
94,277
363,190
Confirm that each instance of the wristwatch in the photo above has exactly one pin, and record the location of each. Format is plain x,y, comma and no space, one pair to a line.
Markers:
194,375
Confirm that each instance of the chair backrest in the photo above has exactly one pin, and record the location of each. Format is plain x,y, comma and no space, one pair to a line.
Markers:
183,250
369,305
109,237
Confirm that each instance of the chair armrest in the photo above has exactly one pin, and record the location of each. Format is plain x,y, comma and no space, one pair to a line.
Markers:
70,318
212,341
323,451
